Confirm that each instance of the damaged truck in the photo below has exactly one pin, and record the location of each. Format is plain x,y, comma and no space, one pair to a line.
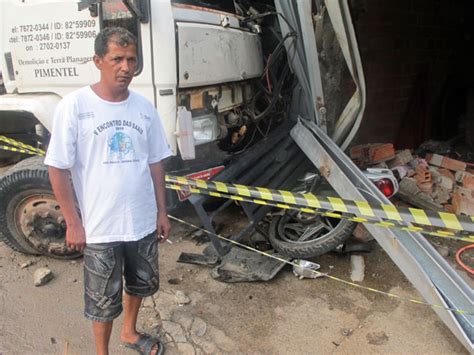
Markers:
223,75
239,87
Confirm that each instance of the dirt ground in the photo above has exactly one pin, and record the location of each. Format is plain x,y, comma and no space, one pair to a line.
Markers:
283,316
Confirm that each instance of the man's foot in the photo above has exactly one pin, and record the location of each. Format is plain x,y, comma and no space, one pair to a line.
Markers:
144,344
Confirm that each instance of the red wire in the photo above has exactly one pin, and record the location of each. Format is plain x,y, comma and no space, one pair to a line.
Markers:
460,262
269,84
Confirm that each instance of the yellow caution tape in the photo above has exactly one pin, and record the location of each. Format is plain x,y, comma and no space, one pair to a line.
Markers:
318,273
386,224
17,150
361,209
19,147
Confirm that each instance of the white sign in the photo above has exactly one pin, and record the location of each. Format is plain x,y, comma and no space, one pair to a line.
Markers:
51,43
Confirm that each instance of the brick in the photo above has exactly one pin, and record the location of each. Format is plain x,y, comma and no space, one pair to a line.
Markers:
463,201
447,179
440,194
359,152
372,153
435,175
423,174
426,187
449,208
445,162
417,161
381,152
361,233
402,157
468,181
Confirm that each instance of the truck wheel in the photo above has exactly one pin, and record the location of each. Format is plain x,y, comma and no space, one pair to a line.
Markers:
299,235
30,217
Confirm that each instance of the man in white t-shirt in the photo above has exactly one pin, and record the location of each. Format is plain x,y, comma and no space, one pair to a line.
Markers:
111,142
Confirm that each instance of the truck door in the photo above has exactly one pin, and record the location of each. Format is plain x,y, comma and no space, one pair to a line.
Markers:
49,48
134,16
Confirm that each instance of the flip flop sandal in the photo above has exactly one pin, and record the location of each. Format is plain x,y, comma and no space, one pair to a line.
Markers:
145,343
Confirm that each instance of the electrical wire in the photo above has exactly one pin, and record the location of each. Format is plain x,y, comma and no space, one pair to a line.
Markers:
269,13
276,96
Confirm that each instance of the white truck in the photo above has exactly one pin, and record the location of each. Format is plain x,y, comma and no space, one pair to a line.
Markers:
222,75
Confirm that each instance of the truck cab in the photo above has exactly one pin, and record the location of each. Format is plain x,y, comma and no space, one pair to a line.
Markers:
198,65
222,75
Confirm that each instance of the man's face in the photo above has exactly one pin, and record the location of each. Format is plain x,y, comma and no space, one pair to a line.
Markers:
117,66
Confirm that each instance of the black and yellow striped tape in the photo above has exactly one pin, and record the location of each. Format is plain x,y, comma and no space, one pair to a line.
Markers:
17,150
437,233
333,278
19,147
361,211
358,208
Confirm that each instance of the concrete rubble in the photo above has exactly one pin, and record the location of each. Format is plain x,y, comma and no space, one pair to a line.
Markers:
432,181
357,268
27,264
42,276
181,298
429,179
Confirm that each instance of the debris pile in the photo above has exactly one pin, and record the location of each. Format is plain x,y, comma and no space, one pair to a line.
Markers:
430,181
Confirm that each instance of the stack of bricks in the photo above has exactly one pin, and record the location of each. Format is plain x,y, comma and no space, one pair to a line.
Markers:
447,182
436,181
457,177
366,155
423,178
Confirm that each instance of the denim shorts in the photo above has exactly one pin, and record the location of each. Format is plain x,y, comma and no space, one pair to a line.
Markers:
104,265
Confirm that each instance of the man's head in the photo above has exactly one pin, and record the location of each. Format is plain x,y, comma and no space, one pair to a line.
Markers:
116,57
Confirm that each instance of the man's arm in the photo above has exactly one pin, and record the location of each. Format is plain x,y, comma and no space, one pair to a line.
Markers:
61,183
163,225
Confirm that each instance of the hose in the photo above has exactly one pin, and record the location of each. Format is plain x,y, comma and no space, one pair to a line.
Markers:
459,260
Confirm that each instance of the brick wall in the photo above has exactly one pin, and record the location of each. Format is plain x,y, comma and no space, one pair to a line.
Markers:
408,49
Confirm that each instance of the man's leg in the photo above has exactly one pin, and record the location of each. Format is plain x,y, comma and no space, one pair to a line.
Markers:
131,305
141,280
102,331
103,290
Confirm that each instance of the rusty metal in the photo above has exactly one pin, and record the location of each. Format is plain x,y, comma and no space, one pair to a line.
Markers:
39,219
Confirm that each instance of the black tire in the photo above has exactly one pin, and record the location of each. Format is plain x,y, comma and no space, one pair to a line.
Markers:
27,185
288,244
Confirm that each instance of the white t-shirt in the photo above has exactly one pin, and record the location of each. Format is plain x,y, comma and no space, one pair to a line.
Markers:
108,147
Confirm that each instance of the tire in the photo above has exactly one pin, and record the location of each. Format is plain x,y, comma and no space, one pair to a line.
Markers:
30,218
285,231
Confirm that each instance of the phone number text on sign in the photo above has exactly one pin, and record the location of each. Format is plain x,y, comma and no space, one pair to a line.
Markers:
52,36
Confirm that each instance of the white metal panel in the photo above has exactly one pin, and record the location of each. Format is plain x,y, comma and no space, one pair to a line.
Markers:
213,54
186,13
42,106
164,61
51,44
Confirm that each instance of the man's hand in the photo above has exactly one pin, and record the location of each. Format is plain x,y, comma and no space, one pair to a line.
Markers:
76,237
163,227
61,183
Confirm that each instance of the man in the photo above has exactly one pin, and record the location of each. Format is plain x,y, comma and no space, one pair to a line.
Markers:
111,141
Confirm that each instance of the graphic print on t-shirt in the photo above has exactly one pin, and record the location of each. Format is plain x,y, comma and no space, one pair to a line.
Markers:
121,148
120,145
